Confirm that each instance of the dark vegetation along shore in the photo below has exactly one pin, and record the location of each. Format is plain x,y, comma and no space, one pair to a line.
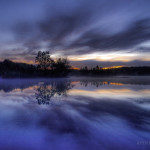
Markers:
47,67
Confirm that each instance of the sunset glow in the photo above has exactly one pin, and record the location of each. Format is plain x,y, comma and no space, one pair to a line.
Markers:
113,67
120,35
74,74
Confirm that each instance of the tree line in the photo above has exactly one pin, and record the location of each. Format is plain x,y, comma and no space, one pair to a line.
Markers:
99,71
46,66
49,66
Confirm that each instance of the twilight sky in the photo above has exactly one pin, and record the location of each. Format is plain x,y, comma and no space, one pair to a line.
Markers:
88,32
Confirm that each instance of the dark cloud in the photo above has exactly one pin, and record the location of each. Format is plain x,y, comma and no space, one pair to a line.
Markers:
67,29
143,49
134,35
76,26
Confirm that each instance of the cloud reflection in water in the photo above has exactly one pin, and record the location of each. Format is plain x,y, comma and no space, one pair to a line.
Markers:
106,115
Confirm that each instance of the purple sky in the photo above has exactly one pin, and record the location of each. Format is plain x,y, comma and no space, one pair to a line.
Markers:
88,32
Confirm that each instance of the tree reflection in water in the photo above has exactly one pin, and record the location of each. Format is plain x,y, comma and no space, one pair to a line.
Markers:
94,83
97,84
44,92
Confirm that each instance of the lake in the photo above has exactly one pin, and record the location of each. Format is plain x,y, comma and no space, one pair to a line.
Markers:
75,114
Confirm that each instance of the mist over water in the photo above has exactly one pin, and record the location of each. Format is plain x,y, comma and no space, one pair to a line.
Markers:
75,114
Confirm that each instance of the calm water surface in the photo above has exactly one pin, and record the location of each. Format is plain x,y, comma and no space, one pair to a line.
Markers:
75,114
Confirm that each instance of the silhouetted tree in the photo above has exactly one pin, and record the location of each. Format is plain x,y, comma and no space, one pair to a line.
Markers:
44,61
85,70
55,67
60,66
97,67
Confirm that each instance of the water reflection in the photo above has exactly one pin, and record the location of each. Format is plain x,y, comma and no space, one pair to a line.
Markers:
45,92
98,83
99,114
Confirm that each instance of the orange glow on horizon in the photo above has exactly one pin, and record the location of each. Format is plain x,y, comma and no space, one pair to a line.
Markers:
113,67
24,61
75,68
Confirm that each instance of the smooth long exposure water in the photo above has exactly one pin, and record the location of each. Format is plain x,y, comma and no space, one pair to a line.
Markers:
75,114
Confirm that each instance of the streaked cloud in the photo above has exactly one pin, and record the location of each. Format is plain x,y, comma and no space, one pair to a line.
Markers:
99,30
